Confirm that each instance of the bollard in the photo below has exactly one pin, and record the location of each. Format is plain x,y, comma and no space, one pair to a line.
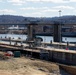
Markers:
5,37
10,40
67,46
1,37
51,42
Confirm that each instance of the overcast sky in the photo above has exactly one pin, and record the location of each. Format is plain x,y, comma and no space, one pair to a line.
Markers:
38,8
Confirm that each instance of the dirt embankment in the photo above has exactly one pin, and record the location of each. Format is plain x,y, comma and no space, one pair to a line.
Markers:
26,66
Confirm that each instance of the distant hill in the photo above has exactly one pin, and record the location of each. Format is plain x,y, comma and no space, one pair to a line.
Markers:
62,19
13,18
18,19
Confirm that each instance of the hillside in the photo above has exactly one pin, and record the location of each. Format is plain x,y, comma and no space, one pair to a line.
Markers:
18,19
11,18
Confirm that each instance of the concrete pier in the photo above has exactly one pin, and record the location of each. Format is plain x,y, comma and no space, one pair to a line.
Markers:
57,32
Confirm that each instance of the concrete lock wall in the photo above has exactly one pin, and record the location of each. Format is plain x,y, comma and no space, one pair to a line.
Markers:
62,57
44,55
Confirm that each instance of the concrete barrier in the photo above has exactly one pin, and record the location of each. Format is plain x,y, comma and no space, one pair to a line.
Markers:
69,69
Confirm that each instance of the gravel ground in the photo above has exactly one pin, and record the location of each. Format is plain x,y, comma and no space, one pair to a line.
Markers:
26,66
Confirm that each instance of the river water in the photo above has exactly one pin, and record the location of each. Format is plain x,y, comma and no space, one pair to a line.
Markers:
45,38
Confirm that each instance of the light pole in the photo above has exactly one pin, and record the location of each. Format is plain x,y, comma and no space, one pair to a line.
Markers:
59,13
60,37
44,40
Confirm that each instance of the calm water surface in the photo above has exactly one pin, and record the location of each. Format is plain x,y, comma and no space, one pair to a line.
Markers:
45,38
